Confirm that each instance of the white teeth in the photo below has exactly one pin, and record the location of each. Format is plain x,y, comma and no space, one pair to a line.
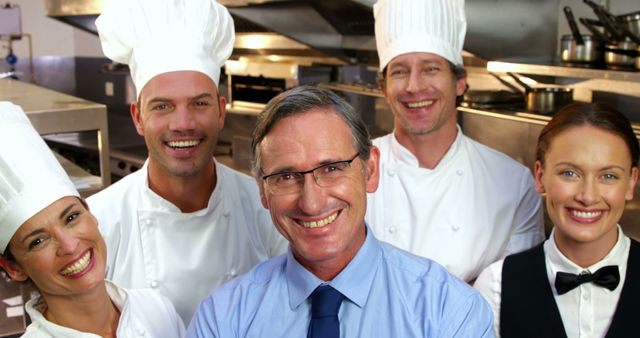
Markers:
419,104
320,223
586,214
183,144
78,266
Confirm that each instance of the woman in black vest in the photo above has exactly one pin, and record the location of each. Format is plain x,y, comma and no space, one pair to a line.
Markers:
583,280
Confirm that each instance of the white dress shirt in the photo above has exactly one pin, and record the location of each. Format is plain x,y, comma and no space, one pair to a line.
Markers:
184,256
586,311
143,313
475,207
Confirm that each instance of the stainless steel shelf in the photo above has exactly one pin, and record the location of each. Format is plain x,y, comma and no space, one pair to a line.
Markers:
353,88
563,71
52,112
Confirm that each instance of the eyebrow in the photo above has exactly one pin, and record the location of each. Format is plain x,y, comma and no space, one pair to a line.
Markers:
41,230
613,166
421,63
284,170
201,96
66,210
166,99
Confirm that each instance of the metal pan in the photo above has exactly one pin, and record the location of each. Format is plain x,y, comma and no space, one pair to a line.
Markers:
621,55
590,51
632,22
544,99
578,48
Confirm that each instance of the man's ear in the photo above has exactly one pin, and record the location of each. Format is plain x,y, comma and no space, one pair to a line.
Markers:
373,170
13,270
134,109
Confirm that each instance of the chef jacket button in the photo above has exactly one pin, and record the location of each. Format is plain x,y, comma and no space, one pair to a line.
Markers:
392,230
459,172
391,172
226,213
141,332
154,284
147,221
455,228
585,297
233,272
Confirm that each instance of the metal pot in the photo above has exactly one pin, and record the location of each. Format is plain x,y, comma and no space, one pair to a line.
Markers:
589,52
578,48
622,54
632,22
545,99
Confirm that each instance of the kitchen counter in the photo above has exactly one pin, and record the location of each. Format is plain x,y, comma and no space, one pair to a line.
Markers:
52,112
516,133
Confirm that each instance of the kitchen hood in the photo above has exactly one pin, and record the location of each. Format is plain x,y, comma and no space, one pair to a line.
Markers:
344,29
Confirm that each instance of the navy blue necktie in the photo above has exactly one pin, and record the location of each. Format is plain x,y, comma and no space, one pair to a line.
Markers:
325,304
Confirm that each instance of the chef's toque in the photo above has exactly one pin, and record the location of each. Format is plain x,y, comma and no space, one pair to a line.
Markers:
161,36
31,178
433,26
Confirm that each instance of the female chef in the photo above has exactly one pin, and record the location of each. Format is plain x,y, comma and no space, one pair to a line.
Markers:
49,237
582,281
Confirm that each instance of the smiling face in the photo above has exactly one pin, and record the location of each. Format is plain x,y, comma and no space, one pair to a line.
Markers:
180,115
587,177
421,90
60,249
324,225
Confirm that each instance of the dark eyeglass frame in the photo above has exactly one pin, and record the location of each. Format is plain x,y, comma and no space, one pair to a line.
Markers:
311,171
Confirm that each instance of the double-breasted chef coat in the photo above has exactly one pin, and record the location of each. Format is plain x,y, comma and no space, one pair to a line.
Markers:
184,256
474,208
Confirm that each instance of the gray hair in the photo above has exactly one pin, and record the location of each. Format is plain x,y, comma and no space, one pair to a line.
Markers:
300,100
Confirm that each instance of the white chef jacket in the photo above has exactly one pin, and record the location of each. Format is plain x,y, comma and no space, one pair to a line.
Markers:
143,313
474,208
184,256
586,311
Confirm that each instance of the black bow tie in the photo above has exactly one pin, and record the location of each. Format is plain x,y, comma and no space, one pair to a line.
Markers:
607,276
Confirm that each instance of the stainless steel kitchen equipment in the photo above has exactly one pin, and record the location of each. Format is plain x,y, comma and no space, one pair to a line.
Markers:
578,48
589,52
632,22
544,99
592,26
572,25
54,115
622,54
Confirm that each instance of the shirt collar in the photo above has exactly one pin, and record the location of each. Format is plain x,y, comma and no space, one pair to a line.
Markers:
560,262
406,157
362,268
35,307
156,203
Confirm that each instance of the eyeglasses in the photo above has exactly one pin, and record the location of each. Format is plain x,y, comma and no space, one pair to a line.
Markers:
290,182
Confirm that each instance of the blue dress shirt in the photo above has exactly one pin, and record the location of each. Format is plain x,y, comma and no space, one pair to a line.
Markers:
389,293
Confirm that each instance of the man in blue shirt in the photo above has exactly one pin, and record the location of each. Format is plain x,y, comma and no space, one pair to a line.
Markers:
314,164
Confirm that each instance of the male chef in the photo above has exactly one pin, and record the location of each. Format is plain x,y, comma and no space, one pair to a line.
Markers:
442,195
183,223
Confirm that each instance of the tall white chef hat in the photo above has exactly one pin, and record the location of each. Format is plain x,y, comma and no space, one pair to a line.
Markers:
30,176
433,26
161,36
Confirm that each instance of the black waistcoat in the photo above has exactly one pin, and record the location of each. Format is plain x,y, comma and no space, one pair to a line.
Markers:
528,308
